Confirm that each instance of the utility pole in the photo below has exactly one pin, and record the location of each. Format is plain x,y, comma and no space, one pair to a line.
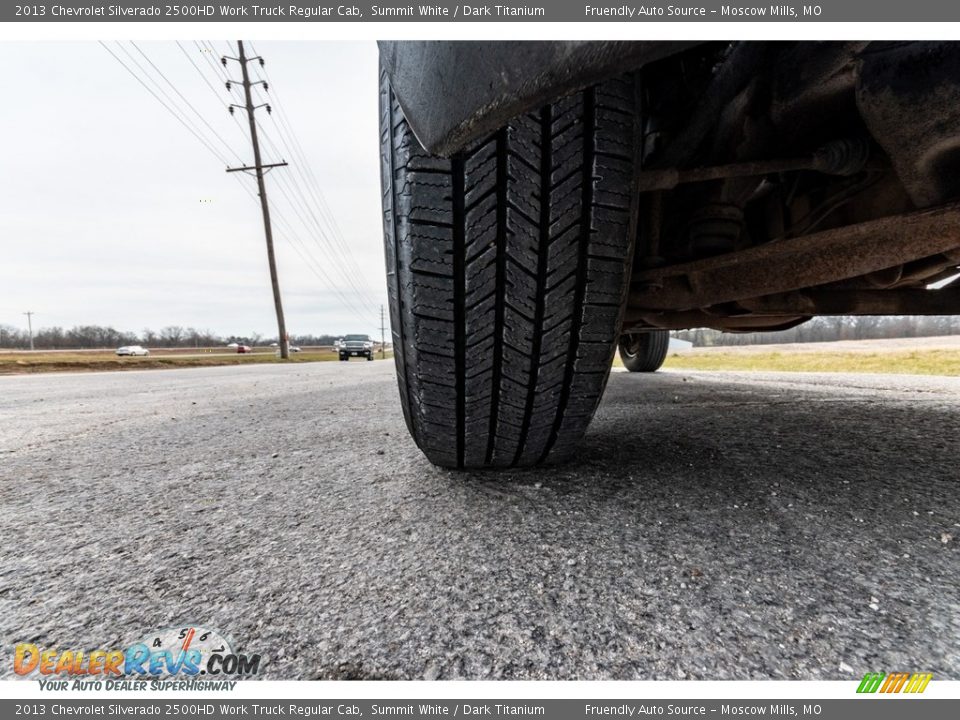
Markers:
383,347
259,168
30,315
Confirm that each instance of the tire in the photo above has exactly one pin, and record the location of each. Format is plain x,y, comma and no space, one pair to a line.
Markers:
507,272
644,352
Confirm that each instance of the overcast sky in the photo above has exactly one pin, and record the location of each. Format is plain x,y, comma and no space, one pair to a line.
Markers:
112,213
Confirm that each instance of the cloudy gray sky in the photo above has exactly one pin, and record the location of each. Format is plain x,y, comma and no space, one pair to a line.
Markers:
112,213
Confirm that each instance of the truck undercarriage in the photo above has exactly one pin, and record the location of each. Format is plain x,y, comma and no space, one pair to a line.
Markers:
821,185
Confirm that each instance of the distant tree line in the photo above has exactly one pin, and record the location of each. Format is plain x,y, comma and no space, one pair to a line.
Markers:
173,336
822,329
827,329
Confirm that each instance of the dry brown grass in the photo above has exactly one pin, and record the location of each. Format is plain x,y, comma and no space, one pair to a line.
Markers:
85,361
905,362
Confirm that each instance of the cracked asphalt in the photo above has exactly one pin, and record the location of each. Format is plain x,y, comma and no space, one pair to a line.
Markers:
714,526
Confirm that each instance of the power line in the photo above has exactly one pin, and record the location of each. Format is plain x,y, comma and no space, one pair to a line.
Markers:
188,103
312,185
219,68
308,259
172,101
179,119
340,256
296,198
203,76
314,265
304,204
199,71
285,130
207,51
352,276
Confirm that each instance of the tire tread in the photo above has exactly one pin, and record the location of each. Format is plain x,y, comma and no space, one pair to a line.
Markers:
507,269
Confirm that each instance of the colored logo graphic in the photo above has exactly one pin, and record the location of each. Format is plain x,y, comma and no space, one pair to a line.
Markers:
189,651
894,682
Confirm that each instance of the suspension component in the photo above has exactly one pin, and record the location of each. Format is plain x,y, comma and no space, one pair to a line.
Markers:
840,157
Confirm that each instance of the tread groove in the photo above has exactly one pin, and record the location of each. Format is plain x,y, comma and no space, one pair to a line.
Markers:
543,248
586,228
503,152
429,223
459,309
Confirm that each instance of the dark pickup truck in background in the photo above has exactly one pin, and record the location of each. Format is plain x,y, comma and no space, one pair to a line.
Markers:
356,346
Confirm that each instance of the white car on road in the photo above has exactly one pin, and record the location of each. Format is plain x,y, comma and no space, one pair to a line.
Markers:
134,350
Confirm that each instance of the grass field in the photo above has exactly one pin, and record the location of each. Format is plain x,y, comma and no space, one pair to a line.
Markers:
904,362
86,361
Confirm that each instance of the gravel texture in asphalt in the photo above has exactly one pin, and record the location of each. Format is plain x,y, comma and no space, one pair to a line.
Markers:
714,526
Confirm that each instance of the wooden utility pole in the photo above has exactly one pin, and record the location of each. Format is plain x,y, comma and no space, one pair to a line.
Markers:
30,315
259,168
383,346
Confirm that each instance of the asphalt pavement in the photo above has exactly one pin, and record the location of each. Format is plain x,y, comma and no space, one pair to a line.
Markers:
714,526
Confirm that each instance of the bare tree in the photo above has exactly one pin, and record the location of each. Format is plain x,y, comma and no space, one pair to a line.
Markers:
172,335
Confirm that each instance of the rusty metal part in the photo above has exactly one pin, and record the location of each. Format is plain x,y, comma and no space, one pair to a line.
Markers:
857,302
797,263
648,238
882,279
908,94
846,157
685,319
777,312
714,228
670,178
930,269
944,278
734,73
842,157
915,273
812,82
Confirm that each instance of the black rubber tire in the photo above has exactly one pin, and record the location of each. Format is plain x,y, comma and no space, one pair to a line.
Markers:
507,273
646,351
